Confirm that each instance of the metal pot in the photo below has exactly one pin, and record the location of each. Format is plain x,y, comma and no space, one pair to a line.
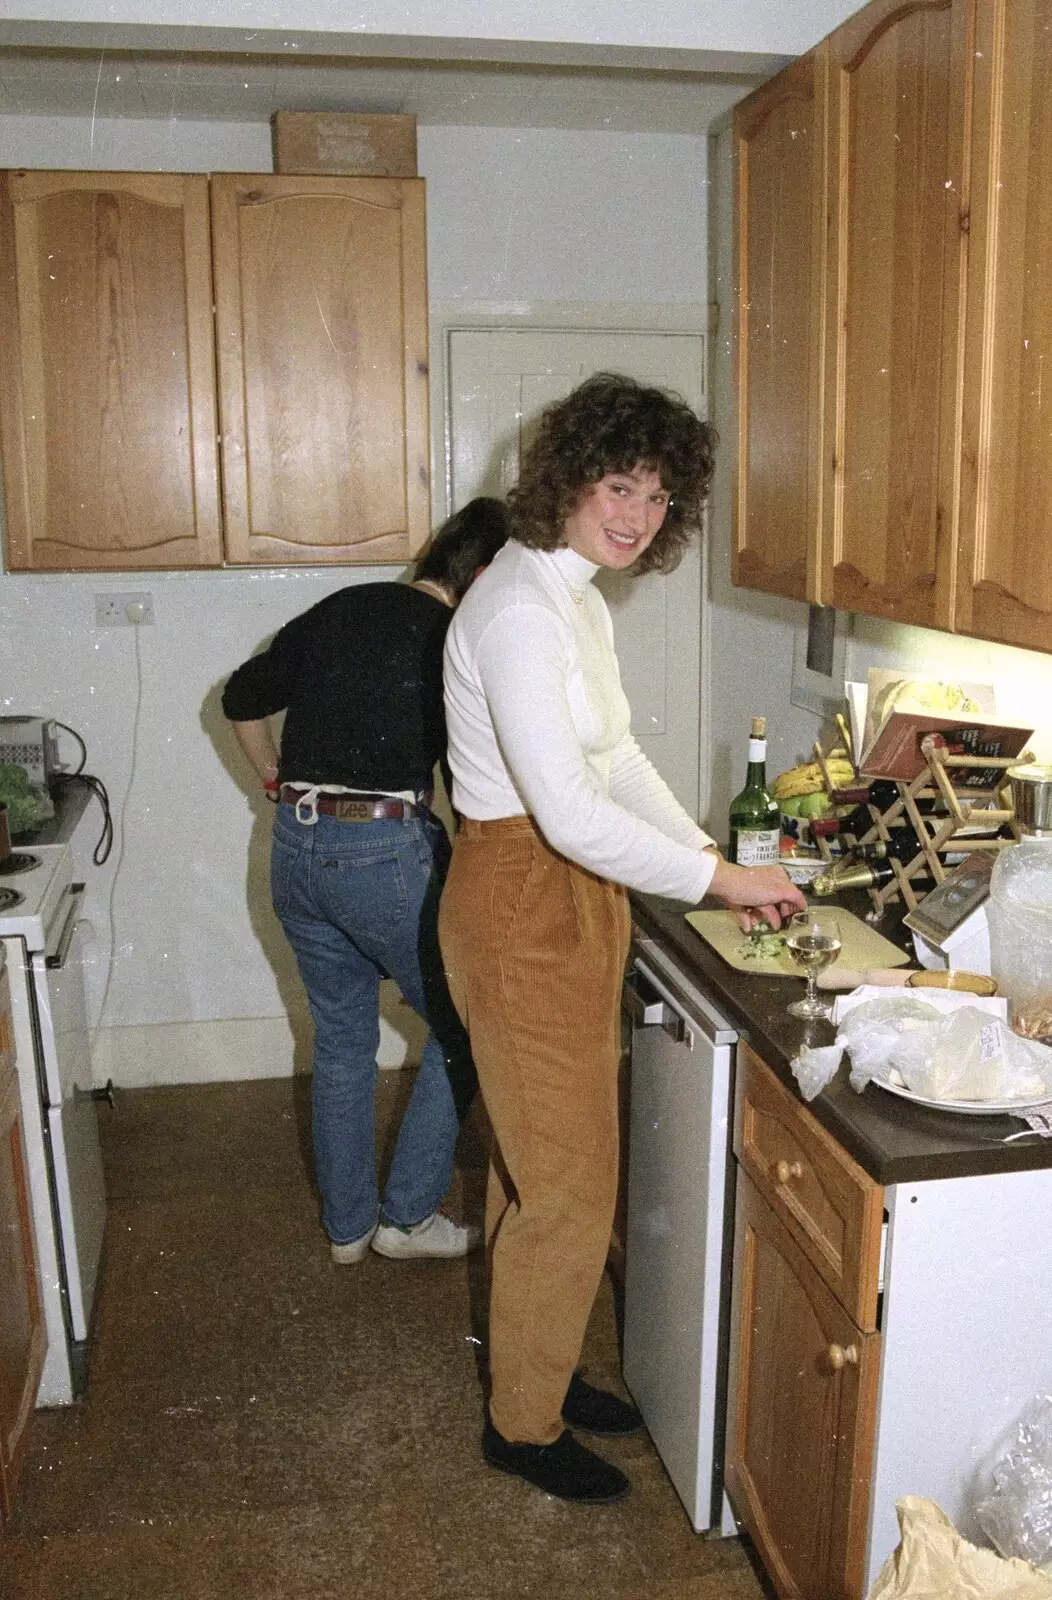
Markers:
1032,796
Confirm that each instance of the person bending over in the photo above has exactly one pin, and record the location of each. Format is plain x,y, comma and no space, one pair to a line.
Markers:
357,863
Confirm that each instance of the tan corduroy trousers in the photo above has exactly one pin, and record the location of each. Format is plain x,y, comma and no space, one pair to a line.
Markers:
535,949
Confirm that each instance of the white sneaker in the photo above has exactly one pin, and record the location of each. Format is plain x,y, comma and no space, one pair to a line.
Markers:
345,1255
438,1236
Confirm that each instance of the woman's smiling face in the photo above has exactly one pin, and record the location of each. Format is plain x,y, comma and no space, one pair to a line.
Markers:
616,518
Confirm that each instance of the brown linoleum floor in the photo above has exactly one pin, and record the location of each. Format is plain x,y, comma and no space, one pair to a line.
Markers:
265,1425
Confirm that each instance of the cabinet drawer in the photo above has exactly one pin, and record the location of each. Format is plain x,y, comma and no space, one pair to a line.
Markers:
832,1208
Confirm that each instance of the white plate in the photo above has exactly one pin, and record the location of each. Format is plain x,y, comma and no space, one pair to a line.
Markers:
975,1108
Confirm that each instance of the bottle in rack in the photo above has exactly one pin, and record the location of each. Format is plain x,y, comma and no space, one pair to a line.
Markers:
850,873
902,846
754,821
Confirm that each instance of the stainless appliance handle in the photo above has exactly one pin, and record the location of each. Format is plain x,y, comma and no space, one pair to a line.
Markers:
649,1009
56,958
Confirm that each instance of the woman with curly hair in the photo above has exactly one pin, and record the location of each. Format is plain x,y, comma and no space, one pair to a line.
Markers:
560,814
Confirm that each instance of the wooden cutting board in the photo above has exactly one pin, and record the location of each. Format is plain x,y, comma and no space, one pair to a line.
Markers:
862,947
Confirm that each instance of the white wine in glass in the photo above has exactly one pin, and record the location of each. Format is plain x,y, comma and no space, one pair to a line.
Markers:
813,943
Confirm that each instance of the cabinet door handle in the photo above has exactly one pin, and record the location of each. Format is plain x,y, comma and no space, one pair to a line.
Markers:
839,1357
785,1171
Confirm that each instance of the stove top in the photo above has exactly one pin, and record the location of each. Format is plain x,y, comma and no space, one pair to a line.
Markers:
40,889
18,861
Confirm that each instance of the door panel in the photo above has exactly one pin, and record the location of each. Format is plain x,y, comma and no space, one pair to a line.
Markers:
499,382
897,94
321,326
779,270
107,380
1005,589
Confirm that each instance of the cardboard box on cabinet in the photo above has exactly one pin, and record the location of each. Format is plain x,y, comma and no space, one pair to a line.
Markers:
323,142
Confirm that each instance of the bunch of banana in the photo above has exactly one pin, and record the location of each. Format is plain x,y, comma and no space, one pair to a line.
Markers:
807,778
801,792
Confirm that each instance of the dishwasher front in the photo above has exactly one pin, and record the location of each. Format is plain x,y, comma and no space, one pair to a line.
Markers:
679,1226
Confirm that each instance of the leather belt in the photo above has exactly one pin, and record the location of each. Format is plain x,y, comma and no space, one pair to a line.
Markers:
357,807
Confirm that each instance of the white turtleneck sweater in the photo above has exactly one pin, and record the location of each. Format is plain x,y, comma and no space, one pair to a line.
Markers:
538,722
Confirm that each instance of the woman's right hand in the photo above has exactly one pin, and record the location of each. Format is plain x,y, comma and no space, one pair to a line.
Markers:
756,894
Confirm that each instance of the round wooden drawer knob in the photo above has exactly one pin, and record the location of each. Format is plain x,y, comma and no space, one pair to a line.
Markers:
786,1170
839,1357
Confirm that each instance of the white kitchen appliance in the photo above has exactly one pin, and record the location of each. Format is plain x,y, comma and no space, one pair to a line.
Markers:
949,925
30,743
45,937
677,1310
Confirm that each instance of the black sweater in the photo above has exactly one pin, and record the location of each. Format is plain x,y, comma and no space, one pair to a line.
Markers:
359,677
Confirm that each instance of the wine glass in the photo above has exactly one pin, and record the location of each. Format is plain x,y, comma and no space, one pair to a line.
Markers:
813,943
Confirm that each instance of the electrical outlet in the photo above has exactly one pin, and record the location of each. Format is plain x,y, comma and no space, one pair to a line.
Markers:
129,610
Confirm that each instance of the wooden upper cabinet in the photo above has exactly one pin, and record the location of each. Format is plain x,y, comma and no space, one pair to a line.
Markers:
1005,572
779,269
899,90
107,376
321,328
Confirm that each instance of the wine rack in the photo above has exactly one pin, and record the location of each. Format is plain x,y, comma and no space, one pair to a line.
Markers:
943,805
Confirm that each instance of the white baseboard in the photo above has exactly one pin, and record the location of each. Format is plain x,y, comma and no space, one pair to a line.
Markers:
227,1051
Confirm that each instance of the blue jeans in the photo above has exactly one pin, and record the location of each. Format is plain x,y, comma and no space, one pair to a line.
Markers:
359,901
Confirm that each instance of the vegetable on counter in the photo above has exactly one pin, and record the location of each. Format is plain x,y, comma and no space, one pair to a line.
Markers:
762,943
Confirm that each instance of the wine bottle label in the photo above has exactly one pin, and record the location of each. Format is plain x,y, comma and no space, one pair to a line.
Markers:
756,847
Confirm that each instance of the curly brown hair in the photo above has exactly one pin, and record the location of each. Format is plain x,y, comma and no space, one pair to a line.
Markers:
612,423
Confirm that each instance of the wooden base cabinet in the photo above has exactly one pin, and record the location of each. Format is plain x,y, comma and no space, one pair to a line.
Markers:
22,1335
802,1397
803,1414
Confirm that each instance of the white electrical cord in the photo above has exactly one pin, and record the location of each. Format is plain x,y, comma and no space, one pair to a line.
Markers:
133,606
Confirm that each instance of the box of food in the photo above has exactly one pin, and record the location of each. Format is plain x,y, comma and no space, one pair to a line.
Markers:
331,142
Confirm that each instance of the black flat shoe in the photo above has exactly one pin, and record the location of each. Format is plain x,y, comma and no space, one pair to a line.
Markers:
566,1469
594,1411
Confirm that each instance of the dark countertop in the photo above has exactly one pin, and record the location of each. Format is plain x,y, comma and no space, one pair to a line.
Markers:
894,1142
71,801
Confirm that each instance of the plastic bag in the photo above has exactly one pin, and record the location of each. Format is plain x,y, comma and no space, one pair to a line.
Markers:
872,1031
814,1067
1016,1515
869,1032
971,1056
964,1054
933,1562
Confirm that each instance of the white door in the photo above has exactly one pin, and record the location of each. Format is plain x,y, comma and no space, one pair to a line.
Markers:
499,382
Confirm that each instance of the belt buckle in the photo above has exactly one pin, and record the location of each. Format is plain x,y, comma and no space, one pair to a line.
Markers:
348,810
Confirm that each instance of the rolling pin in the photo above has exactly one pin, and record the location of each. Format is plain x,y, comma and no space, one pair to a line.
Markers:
844,978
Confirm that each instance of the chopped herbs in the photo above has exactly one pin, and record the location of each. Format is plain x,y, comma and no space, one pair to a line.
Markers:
762,944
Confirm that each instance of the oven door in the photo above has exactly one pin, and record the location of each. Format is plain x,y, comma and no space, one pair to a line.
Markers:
70,1112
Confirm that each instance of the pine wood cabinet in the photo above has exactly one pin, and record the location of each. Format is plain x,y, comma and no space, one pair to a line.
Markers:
200,371
802,1399
107,373
22,1335
929,496
896,120
1004,584
780,273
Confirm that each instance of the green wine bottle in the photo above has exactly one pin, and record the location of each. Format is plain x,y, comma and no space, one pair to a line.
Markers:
755,824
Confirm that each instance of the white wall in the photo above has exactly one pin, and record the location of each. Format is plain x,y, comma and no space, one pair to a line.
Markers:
201,980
